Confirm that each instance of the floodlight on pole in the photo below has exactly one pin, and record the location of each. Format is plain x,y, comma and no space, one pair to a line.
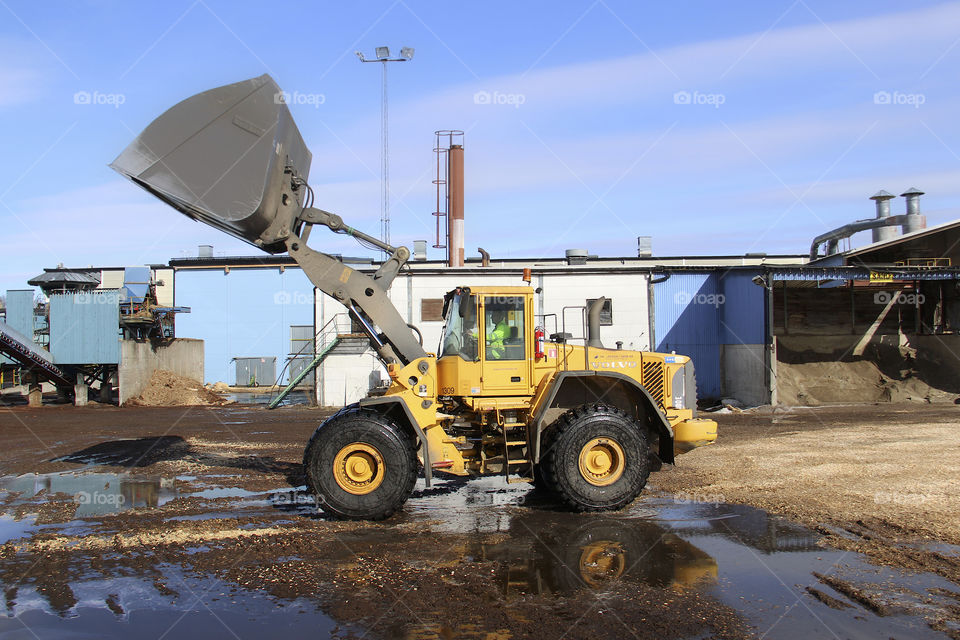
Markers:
383,56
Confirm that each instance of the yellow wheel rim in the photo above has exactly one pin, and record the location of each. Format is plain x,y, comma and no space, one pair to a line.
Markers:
602,461
601,562
358,468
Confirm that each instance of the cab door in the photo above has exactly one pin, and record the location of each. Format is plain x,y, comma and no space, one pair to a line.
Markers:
505,352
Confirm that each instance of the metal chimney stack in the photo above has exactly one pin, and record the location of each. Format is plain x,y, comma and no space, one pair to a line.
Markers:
882,199
455,191
915,221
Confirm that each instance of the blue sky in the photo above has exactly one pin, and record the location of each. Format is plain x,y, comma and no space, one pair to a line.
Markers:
588,140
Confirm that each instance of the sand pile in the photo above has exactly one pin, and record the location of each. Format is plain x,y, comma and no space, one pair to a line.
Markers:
815,383
167,389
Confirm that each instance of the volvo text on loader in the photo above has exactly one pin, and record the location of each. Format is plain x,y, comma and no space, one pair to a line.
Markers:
585,422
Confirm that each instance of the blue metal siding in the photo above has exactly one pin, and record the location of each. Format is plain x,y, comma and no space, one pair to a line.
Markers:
85,327
696,313
687,321
19,315
20,311
743,312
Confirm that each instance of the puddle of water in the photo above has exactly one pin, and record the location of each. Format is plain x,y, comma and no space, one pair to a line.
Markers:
205,607
263,399
11,529
757,563
223,492
94,493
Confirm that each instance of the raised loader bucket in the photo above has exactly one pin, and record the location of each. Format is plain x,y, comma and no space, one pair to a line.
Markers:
220,156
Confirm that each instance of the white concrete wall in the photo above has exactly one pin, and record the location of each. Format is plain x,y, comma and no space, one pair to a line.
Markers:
628,292
113,279
165,290
342,379
138,361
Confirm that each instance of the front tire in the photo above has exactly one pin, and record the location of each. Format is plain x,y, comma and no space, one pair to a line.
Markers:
597,458
360,465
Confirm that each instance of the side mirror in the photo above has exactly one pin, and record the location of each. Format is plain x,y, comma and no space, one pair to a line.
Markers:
465,303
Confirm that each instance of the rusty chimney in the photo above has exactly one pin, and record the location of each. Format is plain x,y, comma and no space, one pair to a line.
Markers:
455,193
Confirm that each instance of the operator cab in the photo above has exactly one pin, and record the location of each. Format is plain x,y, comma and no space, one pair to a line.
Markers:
485,348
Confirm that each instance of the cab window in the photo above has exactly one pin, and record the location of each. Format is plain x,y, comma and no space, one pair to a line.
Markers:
503,328
460,328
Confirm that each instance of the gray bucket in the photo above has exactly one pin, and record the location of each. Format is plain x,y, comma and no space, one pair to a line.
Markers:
220,156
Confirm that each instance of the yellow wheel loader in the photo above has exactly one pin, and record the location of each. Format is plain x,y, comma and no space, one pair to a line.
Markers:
584,422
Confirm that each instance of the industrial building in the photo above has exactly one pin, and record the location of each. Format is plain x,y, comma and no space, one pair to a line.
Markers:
104,329
736,316
739,317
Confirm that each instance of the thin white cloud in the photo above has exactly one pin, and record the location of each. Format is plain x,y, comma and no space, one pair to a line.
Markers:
22,79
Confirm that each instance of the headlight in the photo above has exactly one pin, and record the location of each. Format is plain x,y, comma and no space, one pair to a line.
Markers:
678,389
684,388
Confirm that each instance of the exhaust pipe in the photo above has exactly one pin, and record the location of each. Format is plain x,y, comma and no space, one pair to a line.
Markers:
882,199
593,323
484,256
914,220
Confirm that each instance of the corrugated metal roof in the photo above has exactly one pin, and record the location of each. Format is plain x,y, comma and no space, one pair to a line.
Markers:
51,278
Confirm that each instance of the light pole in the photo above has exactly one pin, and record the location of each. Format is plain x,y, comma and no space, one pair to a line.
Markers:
383,56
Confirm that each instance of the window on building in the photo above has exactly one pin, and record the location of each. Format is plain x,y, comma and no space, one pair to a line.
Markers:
606,314
431,310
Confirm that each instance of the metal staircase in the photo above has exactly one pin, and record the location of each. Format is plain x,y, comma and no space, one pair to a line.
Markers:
336,335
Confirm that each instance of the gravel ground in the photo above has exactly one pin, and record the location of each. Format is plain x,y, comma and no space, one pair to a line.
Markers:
212,519
880,479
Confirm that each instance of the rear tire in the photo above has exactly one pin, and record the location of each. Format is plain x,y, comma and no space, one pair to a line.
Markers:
360,465
597,458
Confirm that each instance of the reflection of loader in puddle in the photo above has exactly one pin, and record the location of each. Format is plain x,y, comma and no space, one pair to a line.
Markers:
590,553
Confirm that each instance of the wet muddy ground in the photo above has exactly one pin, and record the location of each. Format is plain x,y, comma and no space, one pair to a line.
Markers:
170,523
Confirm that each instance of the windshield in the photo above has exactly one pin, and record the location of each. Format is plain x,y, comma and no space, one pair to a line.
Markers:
460,331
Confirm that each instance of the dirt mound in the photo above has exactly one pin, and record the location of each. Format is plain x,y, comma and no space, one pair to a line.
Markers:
815,383
167,389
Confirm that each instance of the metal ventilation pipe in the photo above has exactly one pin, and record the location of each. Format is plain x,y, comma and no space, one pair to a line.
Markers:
882,199
455,186
914,220
484,257
593,323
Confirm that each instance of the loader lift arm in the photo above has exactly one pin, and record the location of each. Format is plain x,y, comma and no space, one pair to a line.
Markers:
364,297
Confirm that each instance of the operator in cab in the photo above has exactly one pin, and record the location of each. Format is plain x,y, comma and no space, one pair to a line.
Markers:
497,331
